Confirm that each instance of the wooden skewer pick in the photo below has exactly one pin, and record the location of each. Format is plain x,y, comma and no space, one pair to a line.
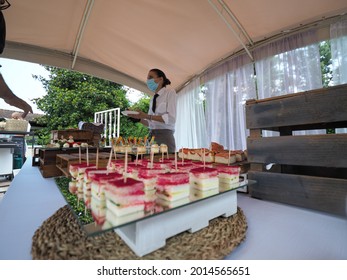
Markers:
110,159
152,158
87,151
229,158
182,157
126,165
204,158
176,161
79,155
97,158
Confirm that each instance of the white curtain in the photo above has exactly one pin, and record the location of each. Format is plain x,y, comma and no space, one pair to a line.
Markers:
228,88
190,131
338,40
338,37
287,66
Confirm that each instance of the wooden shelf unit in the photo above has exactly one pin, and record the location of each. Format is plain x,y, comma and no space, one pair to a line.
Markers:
63,161
48,158
310,171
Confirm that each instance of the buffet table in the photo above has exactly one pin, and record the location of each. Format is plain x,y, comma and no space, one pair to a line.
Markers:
32,199
29,201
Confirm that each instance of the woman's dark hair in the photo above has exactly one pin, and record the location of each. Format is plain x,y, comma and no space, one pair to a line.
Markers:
161,74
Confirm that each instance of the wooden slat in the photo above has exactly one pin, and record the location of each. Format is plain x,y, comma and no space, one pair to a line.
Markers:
315,150
306,108
323,194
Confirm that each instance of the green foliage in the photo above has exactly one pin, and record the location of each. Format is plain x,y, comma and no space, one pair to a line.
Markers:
142,104
84,217
72,97
325,62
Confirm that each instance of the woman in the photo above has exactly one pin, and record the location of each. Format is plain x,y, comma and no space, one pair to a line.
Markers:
161,116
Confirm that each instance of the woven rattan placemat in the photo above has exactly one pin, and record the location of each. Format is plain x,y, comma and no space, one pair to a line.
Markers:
60,237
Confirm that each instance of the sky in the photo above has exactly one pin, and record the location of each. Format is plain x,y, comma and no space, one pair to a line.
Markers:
19,77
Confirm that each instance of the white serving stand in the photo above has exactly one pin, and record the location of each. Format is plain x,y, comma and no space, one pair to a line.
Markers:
150,234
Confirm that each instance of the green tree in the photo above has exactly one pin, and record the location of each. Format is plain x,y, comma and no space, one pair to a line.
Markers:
325,62
72,97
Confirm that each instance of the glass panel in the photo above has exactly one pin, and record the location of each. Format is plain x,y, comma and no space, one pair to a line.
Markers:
86,220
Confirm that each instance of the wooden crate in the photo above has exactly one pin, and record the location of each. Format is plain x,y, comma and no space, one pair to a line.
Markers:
48,158
49,171
310,171
78,135
63,161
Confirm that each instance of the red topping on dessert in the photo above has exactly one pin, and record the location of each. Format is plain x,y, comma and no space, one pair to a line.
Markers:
228,169
147,173
105,176
178,178
205,171
130,182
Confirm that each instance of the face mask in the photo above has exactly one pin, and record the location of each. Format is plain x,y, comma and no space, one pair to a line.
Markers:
152,85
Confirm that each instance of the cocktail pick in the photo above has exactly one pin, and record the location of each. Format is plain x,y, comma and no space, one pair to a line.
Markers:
182,157
152,158
176,161
110,159
87,154
229,158
97,158
126,165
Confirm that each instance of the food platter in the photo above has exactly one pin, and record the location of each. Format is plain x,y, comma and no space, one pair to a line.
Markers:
127,113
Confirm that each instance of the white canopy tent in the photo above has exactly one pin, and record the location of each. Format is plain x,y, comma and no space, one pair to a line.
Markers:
120,40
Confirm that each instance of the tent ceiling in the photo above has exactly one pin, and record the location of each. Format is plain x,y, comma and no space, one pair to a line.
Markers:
122,39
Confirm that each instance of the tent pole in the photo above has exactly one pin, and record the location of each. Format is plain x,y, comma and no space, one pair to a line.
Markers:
83,24
226,8
232,29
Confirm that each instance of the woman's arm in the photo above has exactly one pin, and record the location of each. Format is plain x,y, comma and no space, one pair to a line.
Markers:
13,100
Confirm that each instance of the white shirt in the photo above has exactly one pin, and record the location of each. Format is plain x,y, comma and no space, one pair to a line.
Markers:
165,107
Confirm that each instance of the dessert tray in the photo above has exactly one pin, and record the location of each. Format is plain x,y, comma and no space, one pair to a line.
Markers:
147,231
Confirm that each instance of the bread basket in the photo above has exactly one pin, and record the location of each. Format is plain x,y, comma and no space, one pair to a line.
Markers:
16,125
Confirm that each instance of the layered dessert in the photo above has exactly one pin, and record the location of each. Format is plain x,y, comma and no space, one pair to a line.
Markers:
124,197
163,148
228,177
225,157
149,178
194,154
183,153
73,186
154,148
73,168
240,155
204,182
173,186
141,150
98,201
